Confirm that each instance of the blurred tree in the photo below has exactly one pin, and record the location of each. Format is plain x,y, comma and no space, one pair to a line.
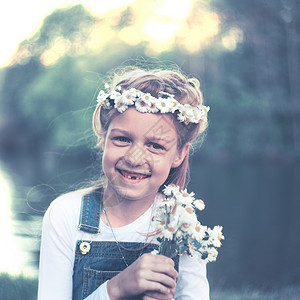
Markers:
64,32
256,81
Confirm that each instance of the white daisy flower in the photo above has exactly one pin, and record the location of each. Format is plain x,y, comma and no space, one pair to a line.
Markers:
174,105
141,105
208,254
198,114
217,236
200,233
197,231
115,95
186,215
129,97
105,103
101,96
185,198
163,105
152,108
120,105
182,116
186,114
135,93
171,190
199,204
146,97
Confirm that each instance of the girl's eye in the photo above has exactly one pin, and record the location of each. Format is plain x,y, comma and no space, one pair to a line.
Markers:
121,139
156,146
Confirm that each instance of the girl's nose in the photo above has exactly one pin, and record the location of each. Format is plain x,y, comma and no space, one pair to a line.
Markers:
136,156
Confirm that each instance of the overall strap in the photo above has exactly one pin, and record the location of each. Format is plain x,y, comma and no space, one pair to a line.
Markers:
90,212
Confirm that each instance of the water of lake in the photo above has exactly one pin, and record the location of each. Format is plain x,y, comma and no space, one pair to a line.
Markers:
19,240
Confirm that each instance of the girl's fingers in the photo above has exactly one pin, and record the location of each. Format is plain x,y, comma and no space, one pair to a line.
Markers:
165,270
147,274
157,287
161,278
161,264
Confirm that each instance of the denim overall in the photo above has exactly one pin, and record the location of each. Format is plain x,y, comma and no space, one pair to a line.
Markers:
104,260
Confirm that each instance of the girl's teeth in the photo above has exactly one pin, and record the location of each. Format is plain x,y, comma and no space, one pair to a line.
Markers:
133,177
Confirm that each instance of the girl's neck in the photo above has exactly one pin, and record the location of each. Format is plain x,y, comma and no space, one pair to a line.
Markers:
123,211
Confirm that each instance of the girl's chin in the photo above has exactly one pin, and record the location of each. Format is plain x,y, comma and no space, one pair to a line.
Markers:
133,191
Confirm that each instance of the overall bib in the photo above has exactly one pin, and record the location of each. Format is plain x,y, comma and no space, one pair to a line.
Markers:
103,260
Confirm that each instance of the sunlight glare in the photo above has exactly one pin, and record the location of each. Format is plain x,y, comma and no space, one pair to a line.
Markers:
160,24
58,49
160,31
99,37
205,27
175,8
100,7
130,35
19,20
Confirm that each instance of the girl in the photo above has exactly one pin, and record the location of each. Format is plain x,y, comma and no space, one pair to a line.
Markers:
98,243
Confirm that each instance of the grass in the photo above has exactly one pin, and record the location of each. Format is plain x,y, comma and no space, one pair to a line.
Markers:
286,293
17,287
23,288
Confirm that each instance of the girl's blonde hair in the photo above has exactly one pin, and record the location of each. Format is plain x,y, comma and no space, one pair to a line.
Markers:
185,90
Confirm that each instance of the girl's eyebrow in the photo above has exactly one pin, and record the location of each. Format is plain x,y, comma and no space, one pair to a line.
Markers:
118,130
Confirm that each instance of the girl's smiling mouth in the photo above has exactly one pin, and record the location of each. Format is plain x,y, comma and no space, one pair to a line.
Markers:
133,175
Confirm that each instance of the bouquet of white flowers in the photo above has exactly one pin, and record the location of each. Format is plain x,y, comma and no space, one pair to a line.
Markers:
178,229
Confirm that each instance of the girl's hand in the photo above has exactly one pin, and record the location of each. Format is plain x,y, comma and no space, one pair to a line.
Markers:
152,275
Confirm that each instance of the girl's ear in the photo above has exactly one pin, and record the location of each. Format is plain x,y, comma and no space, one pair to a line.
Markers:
102,144
102,141
180,157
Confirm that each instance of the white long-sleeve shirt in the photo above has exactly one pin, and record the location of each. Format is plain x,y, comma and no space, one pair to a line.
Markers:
59,236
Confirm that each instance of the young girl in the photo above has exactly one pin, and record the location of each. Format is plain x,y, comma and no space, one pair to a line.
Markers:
98,243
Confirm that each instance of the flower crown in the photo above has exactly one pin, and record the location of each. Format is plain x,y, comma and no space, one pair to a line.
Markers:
145,103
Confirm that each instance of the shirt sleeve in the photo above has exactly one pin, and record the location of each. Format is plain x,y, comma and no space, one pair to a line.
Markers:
56,256
192,282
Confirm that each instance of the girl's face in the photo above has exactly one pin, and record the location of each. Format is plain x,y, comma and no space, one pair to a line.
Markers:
139,149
